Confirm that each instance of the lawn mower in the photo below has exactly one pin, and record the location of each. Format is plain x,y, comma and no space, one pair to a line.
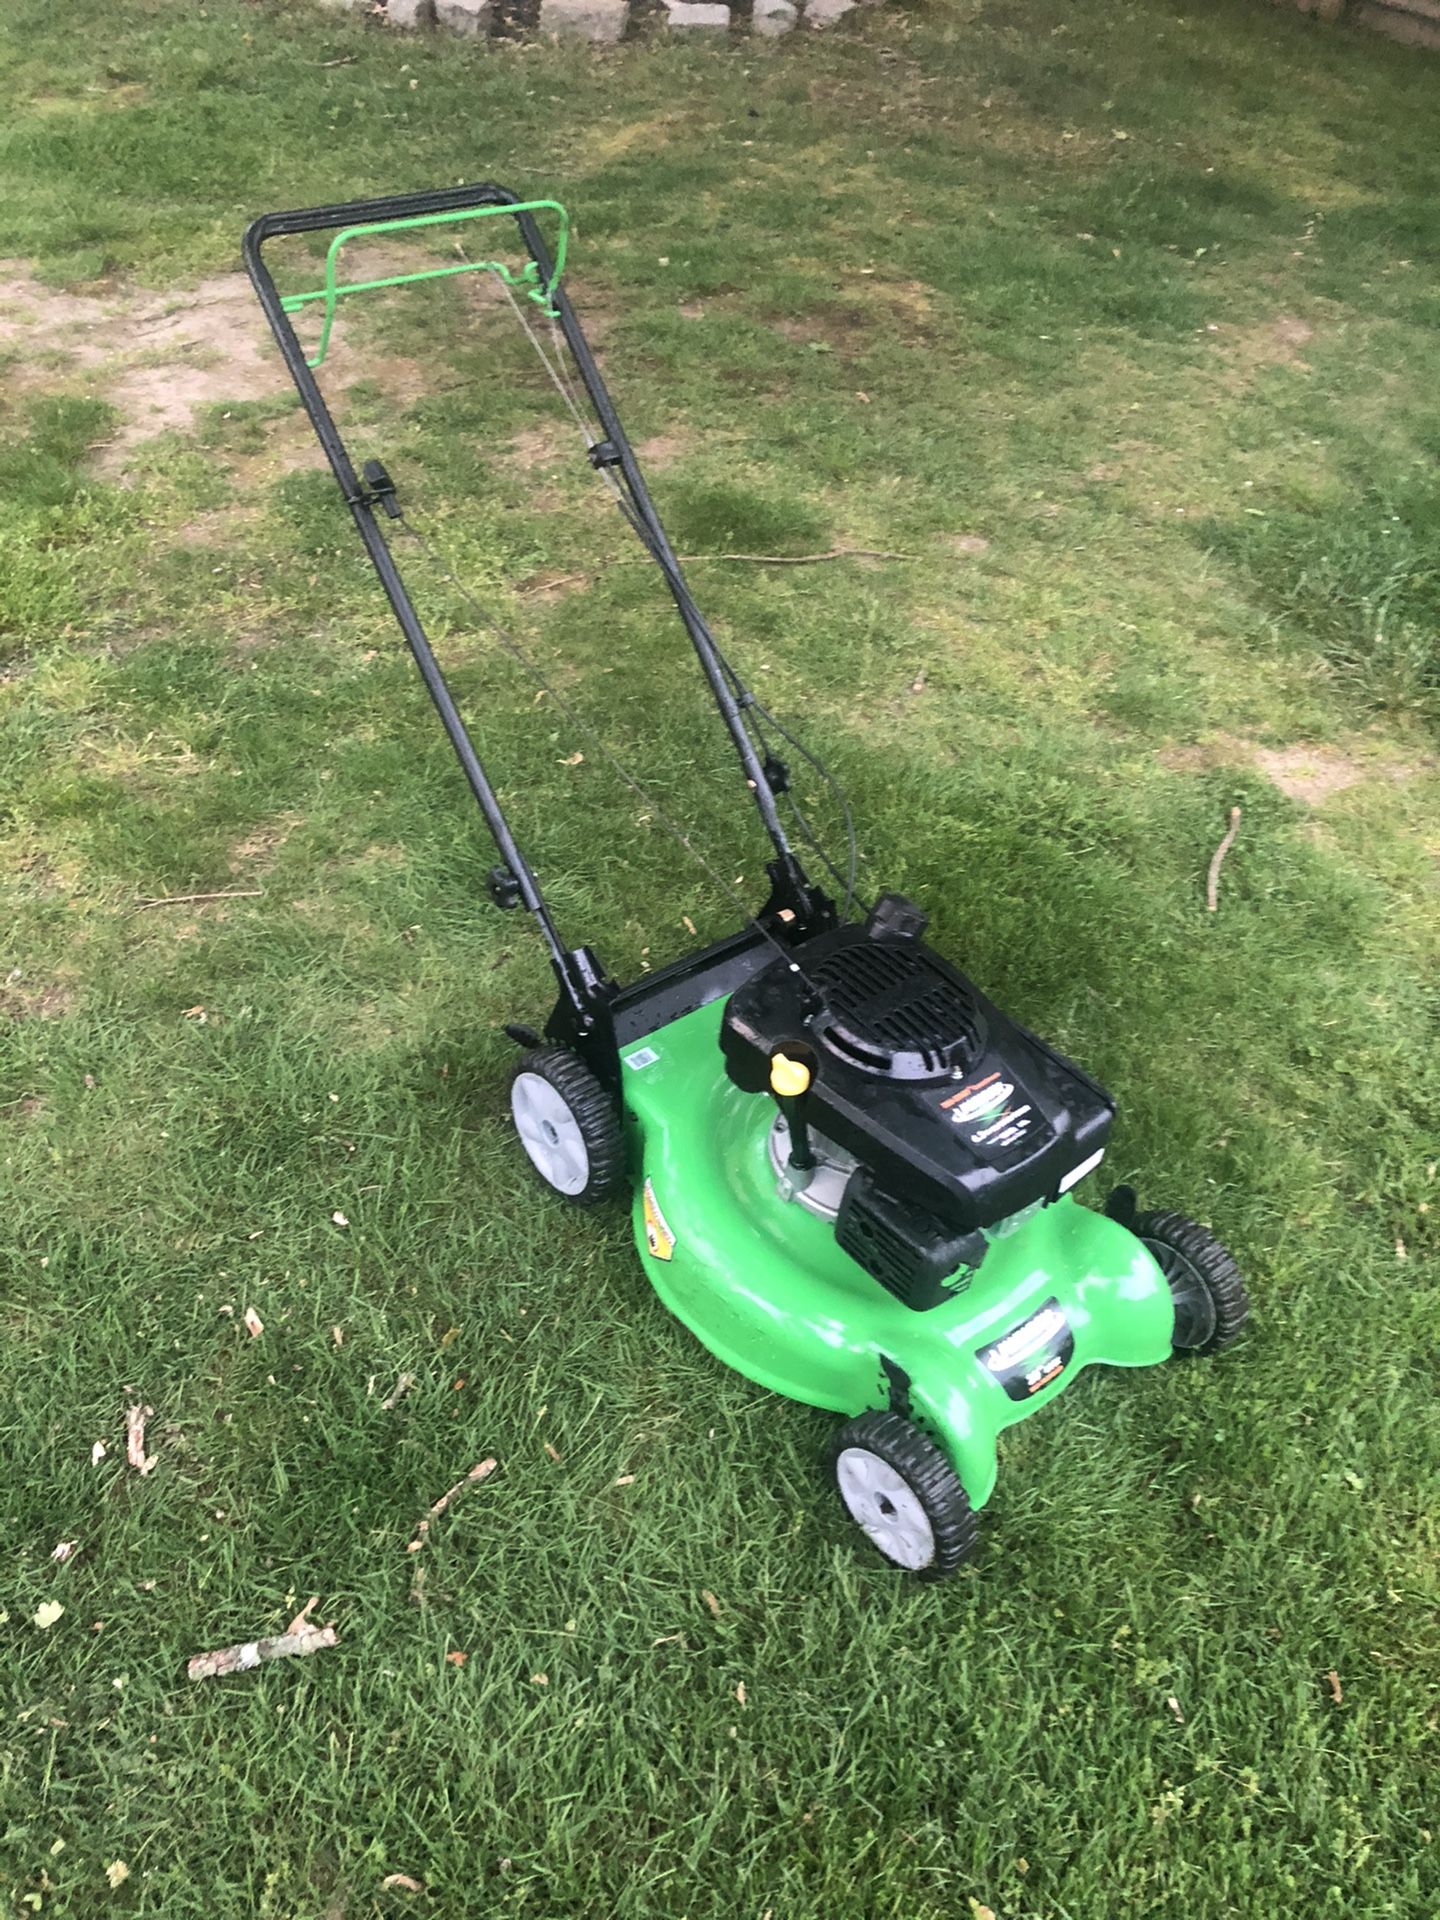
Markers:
852,1176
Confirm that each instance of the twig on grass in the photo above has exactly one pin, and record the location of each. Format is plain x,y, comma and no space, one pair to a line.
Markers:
299,1638
802,559
482,1471
778,559
1212,885
195,899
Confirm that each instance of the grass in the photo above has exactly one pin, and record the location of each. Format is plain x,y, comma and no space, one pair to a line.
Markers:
1119,322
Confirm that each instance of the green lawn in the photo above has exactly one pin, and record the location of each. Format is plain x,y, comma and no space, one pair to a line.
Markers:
1122,325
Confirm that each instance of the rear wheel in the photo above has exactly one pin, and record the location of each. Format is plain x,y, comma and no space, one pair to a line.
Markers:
1211,1304
903,1494
568,1126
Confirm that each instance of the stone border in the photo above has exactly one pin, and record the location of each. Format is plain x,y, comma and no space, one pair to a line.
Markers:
603,21
1417,22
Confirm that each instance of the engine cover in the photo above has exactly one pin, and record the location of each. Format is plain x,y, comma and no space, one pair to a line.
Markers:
949,1107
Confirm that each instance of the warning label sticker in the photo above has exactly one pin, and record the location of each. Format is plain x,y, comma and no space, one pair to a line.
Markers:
658,1237
1032,1354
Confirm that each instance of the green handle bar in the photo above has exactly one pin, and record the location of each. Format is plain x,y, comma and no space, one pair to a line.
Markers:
528,277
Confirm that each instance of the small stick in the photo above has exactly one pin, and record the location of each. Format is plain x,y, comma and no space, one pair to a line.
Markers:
250,1653
801,559
190,899
779,559
553,586
476,1474
1212,888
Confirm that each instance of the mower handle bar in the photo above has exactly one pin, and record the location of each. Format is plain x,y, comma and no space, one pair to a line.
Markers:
569,965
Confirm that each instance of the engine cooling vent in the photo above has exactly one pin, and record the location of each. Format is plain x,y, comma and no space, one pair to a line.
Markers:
889,1008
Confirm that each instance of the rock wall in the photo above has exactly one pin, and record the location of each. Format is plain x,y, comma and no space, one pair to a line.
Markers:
1415,21
599,20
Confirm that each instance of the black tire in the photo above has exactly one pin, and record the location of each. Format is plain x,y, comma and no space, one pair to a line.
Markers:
1211,1305
596,1125
931,1481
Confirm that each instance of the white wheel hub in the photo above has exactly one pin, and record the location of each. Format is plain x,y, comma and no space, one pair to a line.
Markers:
549,1133
884,1505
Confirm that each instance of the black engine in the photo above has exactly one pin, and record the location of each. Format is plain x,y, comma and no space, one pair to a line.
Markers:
957,1117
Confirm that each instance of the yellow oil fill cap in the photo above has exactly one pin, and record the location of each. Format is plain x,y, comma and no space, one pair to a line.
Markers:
789,1078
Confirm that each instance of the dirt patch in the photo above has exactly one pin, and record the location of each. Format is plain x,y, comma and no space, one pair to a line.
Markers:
1310,775
663,449
534,449
22,1000
218,526
1274,343
970,545
1316,774
163,359
828,329
255,852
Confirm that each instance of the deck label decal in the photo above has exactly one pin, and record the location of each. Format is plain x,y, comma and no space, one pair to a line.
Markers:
658,1237
1032,1354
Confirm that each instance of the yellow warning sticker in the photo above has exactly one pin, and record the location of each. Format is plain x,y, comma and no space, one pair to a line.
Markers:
658,1237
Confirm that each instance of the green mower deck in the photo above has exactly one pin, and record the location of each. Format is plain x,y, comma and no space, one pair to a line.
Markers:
768,1290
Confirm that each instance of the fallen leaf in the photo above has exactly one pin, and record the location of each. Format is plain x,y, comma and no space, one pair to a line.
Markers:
688,924
1337,1692
979,1911
62,1552
337,1334
195,1013
339,1218
401,1880
626,1480
47,1613
301,1622
917,685
552,1451
449,1337
1174,1706
456,1659
97,1453
397,1393
254,1325
117,1873
711,1602
540,1679
573,760
740,1693
135,1418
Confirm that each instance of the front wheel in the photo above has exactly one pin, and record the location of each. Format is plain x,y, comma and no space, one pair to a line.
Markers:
1211,1304
903,1494
568,1126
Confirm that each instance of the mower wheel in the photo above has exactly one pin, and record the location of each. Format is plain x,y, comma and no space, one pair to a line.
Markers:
568,1125
903,1494
1211,1305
